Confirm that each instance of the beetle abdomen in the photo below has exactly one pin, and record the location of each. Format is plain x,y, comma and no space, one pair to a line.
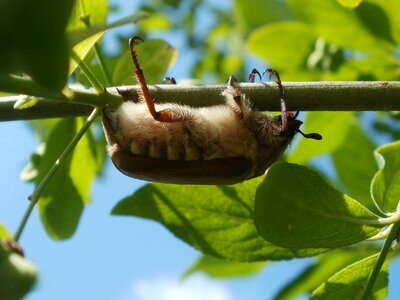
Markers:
208,133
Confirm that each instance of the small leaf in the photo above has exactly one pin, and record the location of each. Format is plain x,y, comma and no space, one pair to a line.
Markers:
296,208
217,220
325,266
17,275
339,25
61,202
80,35
258,12
83,48
350,282
155,58
350,3
95,10
25,102
333,127
356,174
386,182
221,268
4,233
286,45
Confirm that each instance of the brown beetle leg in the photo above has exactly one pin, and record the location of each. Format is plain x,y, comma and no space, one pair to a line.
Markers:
166,115
170,80
253,74
284,113
237,97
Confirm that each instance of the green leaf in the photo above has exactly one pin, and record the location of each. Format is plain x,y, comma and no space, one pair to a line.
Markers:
306,212
80,35
217,220
155,58
4,233
356,174
386,183
326,266
83,48
350,282
61,202
376,20
286,45
84,163
221,268
339,25
258,12
35,40
391,9
95,10
350,3
333,126
25,102
17,274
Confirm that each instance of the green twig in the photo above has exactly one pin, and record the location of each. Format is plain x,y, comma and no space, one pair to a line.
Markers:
379,263
85,18
34,198
88,73
19,85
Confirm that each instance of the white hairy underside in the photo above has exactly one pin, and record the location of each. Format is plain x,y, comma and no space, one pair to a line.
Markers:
209,133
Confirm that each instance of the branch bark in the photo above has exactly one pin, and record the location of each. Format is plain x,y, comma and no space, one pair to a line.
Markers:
304,96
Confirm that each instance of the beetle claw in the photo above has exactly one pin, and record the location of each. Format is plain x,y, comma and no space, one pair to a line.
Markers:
253,74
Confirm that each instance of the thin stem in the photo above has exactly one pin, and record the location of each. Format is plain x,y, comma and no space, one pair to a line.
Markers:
89,75
34,198
85,18
379,262
19,85
102,64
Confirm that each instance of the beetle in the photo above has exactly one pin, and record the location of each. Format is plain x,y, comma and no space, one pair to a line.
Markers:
172,143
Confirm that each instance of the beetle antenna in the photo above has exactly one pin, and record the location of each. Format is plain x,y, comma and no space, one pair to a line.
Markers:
282,97
314,136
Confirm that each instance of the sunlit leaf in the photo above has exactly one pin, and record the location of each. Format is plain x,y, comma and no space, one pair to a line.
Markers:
95,11
356,174
350,3
309,213
338,25
80,35
61,202
217,220
221,268
25,102
351,281
4,233
155,58
322,269
333,126
259,12
386,183
286,45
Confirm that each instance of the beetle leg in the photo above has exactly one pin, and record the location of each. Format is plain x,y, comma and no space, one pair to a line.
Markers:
234,91
166,115
253,74
284,113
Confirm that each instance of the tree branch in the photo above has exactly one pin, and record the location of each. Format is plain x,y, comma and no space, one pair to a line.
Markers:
304,96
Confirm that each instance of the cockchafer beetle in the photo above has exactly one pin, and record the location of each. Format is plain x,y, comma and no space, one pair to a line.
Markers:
179,144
